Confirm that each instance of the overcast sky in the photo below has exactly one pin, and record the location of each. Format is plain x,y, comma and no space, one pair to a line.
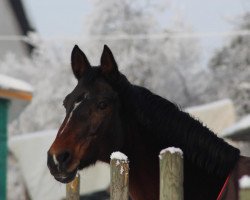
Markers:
65,17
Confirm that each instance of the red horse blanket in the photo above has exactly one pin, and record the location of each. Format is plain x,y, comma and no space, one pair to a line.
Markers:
230,190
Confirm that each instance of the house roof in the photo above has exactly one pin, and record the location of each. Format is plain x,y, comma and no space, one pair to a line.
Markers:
22,19
239,131
18,92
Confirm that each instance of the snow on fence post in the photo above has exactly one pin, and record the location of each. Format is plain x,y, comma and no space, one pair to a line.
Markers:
171,174
73,189
119,172
244,184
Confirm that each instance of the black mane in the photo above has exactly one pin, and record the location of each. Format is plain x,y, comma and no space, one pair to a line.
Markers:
173,127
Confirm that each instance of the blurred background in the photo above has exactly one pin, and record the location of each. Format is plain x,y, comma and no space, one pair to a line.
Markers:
191,52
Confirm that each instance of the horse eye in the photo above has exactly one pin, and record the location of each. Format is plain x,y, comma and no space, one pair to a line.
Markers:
102,105
86,96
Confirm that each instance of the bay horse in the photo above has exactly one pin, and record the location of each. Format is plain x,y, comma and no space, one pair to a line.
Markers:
107,113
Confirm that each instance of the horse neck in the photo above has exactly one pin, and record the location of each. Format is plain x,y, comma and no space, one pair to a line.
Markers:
143,160
176,128
170,126
142,148
153,123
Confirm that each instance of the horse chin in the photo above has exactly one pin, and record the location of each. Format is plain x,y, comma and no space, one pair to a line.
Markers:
66,178
86,163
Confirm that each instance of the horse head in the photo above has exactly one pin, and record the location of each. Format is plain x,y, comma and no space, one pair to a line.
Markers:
91,129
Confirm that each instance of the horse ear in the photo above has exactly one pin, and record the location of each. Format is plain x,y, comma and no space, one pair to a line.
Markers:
79,62
108,63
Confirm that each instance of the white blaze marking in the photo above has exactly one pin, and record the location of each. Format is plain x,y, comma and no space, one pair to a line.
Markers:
70,115
55,160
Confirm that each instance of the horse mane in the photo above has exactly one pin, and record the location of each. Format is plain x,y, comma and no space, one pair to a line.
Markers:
173,127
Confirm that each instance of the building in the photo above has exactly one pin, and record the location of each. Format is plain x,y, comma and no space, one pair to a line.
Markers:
14,94
13,22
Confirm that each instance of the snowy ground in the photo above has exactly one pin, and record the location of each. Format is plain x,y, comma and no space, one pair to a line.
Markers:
15,186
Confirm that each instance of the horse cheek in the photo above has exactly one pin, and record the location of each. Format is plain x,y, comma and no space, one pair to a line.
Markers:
94,126
81,149
95,122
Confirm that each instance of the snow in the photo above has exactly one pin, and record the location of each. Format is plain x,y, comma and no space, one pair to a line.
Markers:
244,182
216,116
119,156
239,127
10,83
209,106
121,170
141,18
172,150
147,65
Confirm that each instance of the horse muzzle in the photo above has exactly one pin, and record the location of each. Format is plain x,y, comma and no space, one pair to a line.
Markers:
61,166
65,178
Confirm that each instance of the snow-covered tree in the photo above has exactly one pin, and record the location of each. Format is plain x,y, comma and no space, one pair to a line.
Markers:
124,18
231,67
166,65
48,72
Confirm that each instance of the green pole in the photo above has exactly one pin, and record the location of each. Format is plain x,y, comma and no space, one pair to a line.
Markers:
3,147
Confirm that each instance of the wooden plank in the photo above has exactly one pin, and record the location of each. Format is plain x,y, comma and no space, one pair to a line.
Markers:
119,178
73,189
171,174
11,94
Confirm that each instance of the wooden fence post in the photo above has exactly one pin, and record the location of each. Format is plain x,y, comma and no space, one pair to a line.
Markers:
119,176
73,189
171,174
244,184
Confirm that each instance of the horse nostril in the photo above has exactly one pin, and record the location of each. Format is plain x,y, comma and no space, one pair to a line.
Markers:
63,157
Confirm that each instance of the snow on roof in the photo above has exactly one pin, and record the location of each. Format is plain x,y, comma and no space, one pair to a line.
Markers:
210,106
9,83
244,182
119,156
240,130
216,115
171,150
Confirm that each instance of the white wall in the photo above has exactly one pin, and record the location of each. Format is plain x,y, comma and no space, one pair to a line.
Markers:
9,26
